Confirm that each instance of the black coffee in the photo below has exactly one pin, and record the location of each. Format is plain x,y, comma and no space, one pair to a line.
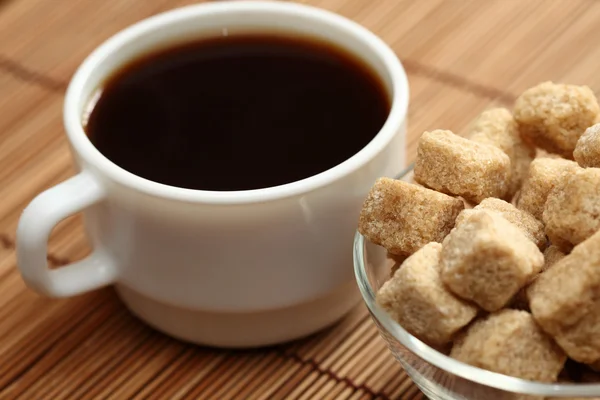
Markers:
238,112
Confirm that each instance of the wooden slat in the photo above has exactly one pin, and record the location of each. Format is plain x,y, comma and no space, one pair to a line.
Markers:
59,34
571,57
31,348
436,33
18,100
34,152
147,348
28,380
505,44
35,134
82,365
193,371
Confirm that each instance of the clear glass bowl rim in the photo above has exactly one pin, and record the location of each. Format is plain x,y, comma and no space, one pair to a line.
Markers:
446,363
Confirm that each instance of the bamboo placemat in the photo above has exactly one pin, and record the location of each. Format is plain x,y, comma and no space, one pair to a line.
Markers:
461,56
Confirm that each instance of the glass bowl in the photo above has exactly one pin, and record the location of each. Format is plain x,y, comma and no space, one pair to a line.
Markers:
438,376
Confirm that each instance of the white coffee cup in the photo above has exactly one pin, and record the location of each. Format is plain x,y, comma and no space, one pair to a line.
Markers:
231,269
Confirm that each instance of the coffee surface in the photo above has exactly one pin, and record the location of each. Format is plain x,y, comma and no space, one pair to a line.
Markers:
237,112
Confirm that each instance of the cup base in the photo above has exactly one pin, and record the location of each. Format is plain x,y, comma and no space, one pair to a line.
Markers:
242,330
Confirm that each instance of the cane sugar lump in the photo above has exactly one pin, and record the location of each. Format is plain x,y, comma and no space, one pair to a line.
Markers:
510,342
487,259
418,300
403,217
454,165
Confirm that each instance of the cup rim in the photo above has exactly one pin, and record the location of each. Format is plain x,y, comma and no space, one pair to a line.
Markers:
88,152
444,362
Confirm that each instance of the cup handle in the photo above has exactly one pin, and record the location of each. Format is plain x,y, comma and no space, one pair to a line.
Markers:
36,224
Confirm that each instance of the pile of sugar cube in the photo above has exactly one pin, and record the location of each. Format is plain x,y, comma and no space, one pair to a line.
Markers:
497,242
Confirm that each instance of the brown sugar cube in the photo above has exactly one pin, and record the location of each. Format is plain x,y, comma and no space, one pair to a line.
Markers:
497,127
564,301
541,153
543,175
531,227
553,116
572,210
572,371
454,165
468,204
590,375
486,259
551,256
417,299
394,267
403,217
398,259
395,261
587,150
520,302
575,372
510,342
595,367
515,198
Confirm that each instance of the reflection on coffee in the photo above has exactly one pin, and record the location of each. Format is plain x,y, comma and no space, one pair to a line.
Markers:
238,112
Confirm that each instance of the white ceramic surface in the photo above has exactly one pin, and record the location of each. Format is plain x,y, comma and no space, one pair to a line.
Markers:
232,269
